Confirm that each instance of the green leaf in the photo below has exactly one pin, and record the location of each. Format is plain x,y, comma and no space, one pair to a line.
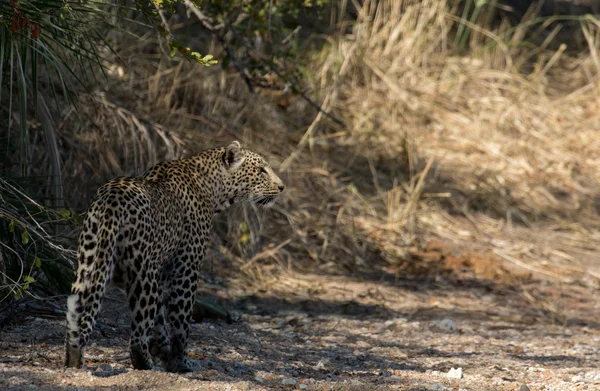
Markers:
172,48
65,213
245,238
37,262
24,237
11,226
64,11
163,31
28,280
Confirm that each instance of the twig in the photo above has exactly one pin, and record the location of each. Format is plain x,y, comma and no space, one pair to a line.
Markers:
291,35
226,26
269,22
161,13
294,85
208,24
528,267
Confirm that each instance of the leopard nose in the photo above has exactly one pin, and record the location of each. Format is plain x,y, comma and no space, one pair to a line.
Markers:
281,187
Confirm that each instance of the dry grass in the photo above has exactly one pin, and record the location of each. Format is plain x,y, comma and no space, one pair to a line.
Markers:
492,152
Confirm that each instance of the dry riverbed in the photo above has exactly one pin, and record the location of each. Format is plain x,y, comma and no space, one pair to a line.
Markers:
319,332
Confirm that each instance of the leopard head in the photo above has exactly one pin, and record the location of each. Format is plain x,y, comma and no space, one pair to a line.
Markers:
249,178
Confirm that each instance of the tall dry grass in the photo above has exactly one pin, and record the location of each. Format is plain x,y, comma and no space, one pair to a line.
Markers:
494,151
515,149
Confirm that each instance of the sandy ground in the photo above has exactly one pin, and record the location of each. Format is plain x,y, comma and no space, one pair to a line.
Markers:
322,332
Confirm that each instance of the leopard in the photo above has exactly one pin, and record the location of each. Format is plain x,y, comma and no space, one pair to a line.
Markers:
152,231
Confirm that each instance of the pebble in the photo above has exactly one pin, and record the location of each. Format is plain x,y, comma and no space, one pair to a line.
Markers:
106,367
524,388
394,323
289,381
497,380
455,373
447,324
577,379
259,379
437,387
593,376
393,378
535,369
303,386
589,377
320,365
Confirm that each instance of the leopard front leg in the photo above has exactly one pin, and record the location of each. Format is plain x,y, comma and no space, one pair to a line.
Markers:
183,285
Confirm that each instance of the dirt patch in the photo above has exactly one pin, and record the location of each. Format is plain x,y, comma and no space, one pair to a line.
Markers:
320,333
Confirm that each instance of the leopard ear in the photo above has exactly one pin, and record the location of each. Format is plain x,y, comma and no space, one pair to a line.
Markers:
233,156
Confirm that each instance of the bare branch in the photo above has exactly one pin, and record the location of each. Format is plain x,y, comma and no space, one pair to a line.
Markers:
216,30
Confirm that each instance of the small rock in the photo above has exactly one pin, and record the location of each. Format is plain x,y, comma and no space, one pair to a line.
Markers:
303,386
106,367
437,387
320,365
259,379
524,388
289,381
447,324
577,379
592,376
455,373
393,378
497,380
395,323
293,321
535,369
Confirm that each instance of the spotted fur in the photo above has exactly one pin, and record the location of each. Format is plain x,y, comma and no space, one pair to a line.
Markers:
153,231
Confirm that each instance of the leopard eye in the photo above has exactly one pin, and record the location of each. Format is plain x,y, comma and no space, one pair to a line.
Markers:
262,170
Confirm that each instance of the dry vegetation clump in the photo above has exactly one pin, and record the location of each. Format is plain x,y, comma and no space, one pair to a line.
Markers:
494,152
105,139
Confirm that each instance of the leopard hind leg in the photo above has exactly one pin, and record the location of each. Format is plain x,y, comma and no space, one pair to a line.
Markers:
160,345
94,271
143,296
